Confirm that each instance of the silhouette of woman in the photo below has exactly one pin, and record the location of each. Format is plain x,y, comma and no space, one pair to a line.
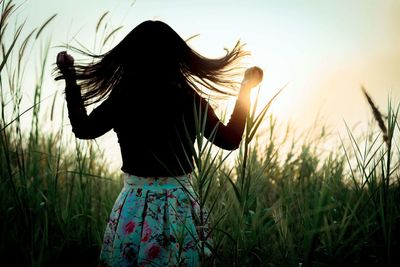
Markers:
152,85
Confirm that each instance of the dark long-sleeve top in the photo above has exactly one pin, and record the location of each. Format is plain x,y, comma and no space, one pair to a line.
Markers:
156,137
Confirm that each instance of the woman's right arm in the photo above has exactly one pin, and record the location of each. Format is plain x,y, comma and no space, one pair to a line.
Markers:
230,135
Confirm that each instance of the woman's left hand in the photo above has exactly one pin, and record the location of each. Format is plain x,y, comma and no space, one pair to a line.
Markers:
65,63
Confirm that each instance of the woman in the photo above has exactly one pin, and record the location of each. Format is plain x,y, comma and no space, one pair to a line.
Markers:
152,85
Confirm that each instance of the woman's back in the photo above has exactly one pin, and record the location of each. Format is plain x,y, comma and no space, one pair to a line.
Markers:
156,131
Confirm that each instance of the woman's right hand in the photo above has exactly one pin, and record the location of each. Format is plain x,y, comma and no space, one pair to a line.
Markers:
252,77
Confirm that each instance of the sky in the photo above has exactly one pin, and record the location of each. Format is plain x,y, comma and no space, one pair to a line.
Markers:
321,51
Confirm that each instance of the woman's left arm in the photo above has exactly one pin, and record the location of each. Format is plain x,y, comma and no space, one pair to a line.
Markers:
84,126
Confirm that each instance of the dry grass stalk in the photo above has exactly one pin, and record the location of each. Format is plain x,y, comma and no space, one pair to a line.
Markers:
378,116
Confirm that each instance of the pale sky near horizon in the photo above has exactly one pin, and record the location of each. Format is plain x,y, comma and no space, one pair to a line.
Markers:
323,50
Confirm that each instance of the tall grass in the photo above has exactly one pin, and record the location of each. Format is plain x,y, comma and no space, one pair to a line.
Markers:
54,202
270,208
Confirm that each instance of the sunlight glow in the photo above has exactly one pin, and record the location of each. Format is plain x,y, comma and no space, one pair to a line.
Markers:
322,51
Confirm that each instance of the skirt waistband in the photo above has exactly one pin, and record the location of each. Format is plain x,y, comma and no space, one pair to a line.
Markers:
157,183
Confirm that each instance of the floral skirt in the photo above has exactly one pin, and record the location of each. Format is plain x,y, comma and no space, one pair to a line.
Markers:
155,222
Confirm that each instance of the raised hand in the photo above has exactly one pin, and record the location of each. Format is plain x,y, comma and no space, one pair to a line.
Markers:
65,63
252,77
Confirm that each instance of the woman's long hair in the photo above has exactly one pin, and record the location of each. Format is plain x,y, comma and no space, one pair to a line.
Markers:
154,53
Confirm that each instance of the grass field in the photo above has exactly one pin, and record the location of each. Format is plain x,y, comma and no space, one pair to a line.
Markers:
300,207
